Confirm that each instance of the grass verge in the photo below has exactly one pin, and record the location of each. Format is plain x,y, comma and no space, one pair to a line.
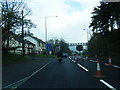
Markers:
13,58
46,56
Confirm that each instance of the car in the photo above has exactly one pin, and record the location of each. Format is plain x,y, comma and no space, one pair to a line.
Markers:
65,55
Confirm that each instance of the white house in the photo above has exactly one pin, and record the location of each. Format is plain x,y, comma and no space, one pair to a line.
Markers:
15,45
39,44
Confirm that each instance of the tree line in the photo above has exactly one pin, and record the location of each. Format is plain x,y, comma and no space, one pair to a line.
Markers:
105,40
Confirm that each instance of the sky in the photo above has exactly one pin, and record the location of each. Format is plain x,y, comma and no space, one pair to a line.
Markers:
72,21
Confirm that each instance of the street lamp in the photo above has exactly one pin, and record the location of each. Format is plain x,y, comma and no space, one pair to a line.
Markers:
46,29
46,26
88,33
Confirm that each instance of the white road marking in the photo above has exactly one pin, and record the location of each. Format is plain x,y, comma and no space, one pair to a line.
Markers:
113,65
116,66
82,67
73,61
108,85
92,61
69,57
13,85
39,69
106,64
20,82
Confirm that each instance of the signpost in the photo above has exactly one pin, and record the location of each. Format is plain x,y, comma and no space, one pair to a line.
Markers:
79,47
48,47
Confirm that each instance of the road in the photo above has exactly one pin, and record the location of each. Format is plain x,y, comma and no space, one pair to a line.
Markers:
69,74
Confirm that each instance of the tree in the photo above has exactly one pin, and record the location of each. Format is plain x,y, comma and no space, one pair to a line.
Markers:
11,12
59,43
105,16
105,40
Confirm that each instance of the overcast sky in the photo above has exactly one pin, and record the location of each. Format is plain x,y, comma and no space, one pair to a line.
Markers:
73,17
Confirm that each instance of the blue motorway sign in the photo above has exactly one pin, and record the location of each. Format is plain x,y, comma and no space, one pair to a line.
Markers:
48,47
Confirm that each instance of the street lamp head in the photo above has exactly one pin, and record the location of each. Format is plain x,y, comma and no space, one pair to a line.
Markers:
56,16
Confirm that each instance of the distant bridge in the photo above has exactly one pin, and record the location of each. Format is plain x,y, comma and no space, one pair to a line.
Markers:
75,44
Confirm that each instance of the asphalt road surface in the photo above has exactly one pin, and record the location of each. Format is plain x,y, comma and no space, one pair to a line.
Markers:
69,74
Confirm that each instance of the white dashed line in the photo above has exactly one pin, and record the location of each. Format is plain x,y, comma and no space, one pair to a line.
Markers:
70,58
73,61
113,65
108,85
116,66
82,67
92,61
106,64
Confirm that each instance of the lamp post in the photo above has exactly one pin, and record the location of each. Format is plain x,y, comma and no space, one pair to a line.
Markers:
46,29
46,26
88,33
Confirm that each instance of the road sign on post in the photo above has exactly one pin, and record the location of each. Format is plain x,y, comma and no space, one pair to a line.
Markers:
48,47
79,47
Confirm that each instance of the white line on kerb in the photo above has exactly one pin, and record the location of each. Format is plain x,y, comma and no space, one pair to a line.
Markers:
82,67
108,85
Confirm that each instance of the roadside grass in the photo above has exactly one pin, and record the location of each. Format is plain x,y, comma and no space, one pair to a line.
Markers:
46,56
13,59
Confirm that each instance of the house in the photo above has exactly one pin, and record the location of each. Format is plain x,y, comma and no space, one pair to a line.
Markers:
39,44
15,45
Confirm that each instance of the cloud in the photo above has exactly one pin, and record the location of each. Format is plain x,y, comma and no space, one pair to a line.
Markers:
70,22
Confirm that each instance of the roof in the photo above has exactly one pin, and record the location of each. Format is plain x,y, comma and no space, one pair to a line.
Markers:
39,40
19,39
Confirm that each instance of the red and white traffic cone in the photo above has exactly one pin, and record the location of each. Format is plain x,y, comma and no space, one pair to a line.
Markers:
110,62
98,72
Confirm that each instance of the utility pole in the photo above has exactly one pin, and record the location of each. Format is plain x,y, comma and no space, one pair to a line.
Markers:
46,30
23,44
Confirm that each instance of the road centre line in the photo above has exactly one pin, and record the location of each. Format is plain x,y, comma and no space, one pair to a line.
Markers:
108,85
70,58
73,61
20,82
82,67
116,66
92,61
106,64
